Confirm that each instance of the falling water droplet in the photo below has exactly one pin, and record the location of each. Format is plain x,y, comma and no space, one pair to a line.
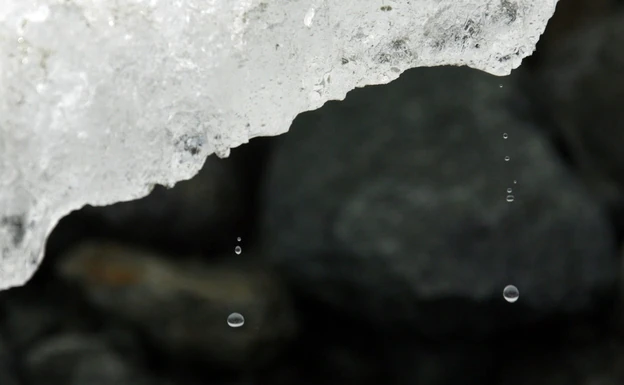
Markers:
505,136
235,320
238,239
500,86
238,250
515,181
510,198
506,159
511,293
509,190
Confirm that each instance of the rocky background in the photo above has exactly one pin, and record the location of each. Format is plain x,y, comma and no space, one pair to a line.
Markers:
370,245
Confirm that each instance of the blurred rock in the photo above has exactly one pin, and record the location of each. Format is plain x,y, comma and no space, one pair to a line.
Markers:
214,202
570,15
392,207
33,312
28,318
184,307
441,364
617,318
580,87
7,365
74,359
599,364
331,364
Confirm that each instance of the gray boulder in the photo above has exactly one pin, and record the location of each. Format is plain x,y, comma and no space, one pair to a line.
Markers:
79,359
8,376
213,202
184,308
580,85
392,206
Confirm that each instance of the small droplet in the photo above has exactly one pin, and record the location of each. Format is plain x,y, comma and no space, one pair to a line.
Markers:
505,136
235,320
238,239
509,190
510,198
511,293
238,250
506,159
500,86
20,39
515,181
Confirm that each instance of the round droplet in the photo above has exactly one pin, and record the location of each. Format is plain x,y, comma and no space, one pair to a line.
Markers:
238,239
511,293
500,86
506,159
510,198
509,190
235,320
515,181
238,250
505,136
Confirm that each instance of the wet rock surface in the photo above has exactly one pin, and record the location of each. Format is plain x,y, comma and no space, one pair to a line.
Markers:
376,242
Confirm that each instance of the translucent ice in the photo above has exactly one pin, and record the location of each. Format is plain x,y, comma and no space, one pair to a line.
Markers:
100,100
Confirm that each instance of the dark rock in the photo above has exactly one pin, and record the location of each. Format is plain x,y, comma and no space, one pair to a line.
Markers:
215,202
39,309
601,363
74,359
570,15
441,364
580,86
391,206
28,318
329,364
8,375
184,307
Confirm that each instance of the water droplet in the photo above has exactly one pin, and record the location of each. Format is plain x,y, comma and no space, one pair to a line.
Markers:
509,190
510,198
238,250
506,159
515,181
511,293
500,86
505,136
235,320
20,39
238,239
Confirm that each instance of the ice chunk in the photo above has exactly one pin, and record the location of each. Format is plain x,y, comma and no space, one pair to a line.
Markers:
100,100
